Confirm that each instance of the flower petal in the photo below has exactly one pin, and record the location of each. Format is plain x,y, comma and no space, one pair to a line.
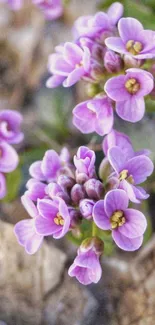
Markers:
131,110
116,44
100,217
50,164
8,158
47,208
140,168
73,77
135,224
29,206
117,159
125,243
115,12
115,200
36,172
129,29
115,89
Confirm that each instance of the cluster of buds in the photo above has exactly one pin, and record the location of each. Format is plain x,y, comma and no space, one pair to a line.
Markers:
52,9
10,123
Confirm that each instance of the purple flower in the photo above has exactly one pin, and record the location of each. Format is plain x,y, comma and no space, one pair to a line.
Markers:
95,115
130,172
68,65
121,140
10,123
133,40
127,225
14,4
86,266
53,218
52,9
8,158
49,167
84,162
25,229
128,92
36,189
96,26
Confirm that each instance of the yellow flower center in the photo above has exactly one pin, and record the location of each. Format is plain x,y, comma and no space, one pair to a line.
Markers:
59,221
125,175
134,47
117,219
132,86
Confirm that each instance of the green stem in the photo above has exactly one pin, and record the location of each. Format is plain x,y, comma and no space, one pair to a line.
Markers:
94,229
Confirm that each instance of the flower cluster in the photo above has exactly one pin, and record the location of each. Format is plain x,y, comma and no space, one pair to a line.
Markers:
61,194
52,9
10,123
110,54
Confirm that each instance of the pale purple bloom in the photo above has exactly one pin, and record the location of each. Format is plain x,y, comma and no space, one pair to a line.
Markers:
133,40
68,65
53,219
95,26
52,9
86,266
121,140
84,162
10,124
14,4
36,189
8,158
25,229
48,168
130,172
112,62
2,186
86,208
127,225
95,115
128,92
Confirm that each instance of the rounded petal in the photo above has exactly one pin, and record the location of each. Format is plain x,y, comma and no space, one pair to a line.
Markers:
33,244
46,227
8,158
131,110
121,140
73,77
29,206
36,191
50,164
100,217
115,200
55,81
117,159
116,44
83,125
47,208
140,168
125,243
81,273
104,121
144,78
115,89
129,189
72,53
36,172
129,29
135,224
115,12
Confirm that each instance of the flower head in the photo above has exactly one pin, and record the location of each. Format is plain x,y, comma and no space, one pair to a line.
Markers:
127,225
53,219
84,162
128,92
68,65
86,266
99,111
130,172
133,40
10,124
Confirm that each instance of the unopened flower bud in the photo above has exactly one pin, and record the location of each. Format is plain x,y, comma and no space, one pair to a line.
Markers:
75,217
77,193
104,169
112,62
94,243
86,208
54,189
94,188
112,183
131,62
66,182
81,178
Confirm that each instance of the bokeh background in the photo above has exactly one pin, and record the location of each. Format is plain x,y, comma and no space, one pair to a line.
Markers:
36,290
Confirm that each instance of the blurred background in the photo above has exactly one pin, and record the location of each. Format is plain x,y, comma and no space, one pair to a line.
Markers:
36,290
